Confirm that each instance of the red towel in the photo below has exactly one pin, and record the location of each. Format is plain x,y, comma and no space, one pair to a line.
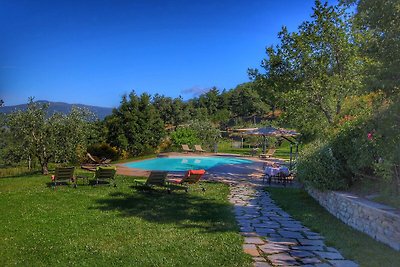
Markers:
196,172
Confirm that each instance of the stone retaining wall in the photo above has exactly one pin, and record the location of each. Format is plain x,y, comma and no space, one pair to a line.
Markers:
378,221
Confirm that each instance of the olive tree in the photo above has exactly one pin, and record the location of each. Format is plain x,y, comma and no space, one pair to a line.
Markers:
57,138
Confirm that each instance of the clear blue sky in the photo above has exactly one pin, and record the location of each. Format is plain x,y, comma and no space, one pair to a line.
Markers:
92,52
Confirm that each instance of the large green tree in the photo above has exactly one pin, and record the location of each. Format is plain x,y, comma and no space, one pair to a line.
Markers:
55,138
135,126
378,25
245,101
314,69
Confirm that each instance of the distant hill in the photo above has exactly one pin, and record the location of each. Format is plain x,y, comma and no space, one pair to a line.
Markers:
100,112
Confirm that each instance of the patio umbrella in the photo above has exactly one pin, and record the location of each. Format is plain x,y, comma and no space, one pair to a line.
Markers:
275,132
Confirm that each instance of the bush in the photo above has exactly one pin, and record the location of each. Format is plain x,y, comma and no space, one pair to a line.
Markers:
206,132
319,168
183,136
365,144
103,150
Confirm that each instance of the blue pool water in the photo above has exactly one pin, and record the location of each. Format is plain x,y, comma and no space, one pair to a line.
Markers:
184,163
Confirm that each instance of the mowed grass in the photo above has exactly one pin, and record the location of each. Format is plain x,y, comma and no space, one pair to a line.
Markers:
122,226
351,243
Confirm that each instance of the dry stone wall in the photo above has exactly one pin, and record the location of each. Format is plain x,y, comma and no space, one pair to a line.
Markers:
378,221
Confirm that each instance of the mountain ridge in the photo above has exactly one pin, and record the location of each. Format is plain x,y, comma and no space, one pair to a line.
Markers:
63,107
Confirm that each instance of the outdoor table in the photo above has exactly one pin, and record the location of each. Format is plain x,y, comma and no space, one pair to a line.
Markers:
277,172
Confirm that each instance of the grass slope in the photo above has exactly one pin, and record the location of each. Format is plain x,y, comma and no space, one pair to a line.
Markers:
106,226
352,243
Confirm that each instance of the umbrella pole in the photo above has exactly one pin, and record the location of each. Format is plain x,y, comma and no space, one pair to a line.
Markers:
291,156
265,144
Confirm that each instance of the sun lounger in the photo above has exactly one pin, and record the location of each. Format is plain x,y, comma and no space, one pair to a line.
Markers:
63,174
186,148
269,153
191,177
106,174
155,179
95,160
198,148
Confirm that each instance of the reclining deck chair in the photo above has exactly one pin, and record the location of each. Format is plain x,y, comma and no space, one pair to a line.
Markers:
190,178
186,148
106,174
198,148
95,162
156,178
269,153
63,174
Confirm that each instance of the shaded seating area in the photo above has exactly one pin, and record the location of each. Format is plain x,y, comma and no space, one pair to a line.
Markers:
63,175
278,174
269,131
191,178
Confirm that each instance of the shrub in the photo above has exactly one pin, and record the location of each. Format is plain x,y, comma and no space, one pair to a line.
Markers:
103,150
206,132
184,135
319,168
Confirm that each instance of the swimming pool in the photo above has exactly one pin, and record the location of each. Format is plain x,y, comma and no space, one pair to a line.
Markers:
184,163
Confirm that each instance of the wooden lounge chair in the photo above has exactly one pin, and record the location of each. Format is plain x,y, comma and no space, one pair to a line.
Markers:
156,178
95,160
186,148
190,178
106,174
269,153
198,148
63,174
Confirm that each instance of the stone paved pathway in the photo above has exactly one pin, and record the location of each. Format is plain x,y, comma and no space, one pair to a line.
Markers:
273,237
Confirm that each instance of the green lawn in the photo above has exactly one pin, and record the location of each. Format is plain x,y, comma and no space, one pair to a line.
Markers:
106,226
353,244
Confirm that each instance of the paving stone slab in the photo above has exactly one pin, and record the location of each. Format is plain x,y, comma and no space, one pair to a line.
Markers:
249,234
259,259
343,263
253,240
261,264
311,242
271,248
251,250
309,248
282,259
322,265
310,260
290,234
264,231
331,249
283,241
301,253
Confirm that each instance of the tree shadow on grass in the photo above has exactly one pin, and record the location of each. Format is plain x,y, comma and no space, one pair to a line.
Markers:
186,210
